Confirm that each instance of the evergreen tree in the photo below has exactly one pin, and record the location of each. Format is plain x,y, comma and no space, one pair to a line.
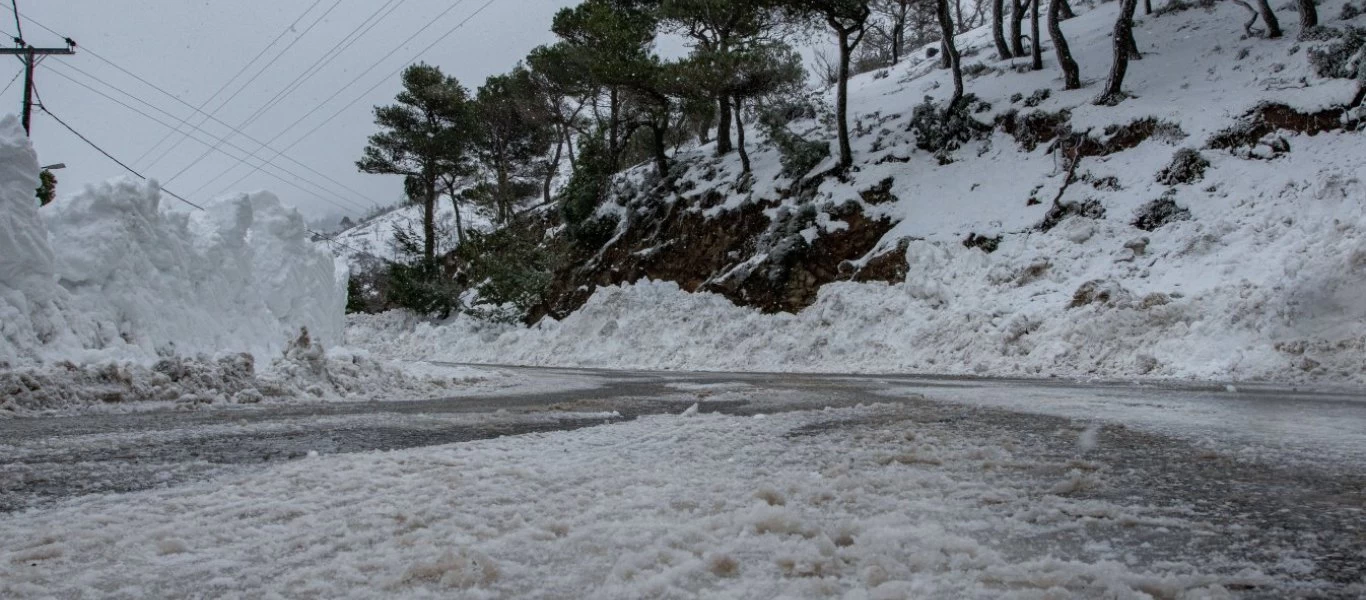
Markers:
514,129
424,136
849,20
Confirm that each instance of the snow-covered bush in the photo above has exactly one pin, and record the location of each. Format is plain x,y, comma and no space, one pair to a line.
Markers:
1187,166
798,155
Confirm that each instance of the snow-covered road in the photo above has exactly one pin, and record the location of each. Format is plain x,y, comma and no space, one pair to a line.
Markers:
794,486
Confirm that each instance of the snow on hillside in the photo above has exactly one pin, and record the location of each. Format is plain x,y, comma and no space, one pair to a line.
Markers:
375,237
1265,280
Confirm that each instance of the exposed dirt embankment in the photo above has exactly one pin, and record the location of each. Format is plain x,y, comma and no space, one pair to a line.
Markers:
775,254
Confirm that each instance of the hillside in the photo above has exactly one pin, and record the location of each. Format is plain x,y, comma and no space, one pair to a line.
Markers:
374,237
1210,226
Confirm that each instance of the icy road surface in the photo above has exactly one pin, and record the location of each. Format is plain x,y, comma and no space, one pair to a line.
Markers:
792,486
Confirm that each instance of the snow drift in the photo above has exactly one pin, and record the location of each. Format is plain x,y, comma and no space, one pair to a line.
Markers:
109,274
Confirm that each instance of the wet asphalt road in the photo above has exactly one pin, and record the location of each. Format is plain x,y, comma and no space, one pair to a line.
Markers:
1267,468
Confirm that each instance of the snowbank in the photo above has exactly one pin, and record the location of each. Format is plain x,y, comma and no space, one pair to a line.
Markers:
108,274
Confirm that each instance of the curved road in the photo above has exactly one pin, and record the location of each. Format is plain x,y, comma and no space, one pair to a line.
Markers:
1267,467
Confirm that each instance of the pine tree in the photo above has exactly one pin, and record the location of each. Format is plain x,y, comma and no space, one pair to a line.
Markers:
849,20
514,128
424,136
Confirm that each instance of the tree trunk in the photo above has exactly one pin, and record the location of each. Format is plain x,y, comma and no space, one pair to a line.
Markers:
951,51
504,203
740,136
723,146
899,39
1036,42
613,149
1147,7
569,146
1065,11
944,62
661,148
1273,26
1071,74
842,99
550,172
1124,24
1309,15
958,16
998,20
429,217
459,224
1016,22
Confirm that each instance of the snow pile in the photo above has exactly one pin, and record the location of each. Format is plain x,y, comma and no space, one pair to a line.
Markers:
1258,270
851,503
304,373
107,273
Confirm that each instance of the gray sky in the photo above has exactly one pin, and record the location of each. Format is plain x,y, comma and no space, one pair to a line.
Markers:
191,48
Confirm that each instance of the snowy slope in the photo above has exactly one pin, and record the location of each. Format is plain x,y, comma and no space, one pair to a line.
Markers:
375,237
1265,280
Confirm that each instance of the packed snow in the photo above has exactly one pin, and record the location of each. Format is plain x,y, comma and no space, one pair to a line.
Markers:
1264,281
856,503
109,300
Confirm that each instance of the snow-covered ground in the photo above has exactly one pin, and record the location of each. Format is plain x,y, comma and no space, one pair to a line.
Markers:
374,237
1265,281
699,505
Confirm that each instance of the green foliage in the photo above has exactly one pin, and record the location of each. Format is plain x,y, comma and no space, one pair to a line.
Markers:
941,131
1344,56
427,132
47,188
422,287
515,127
798,155
587,186
509,268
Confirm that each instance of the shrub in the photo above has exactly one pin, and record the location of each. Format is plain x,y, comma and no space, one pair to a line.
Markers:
943,131
798,155
509,269
1160,212
422,287
1187,166
1343,57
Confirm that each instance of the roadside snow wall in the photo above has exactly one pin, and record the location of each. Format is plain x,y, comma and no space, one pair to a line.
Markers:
108,274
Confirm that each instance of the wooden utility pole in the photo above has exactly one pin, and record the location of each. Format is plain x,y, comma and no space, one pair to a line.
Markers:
30,55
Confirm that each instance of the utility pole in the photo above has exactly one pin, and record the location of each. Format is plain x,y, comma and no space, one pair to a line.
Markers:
30,55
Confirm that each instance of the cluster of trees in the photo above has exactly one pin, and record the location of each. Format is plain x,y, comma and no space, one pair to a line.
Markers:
602,98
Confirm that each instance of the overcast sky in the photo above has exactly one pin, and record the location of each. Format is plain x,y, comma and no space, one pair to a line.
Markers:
191,48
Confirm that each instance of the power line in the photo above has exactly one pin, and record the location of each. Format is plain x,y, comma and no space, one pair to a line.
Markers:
11,82
248,83
259,167
354,205
227,83
308,72
331,239
334,115
120,163
199,127
348,84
